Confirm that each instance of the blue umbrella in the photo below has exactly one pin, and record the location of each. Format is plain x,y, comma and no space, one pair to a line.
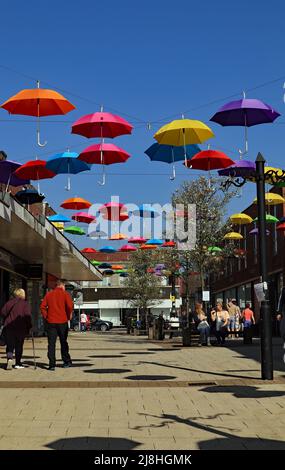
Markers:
145,210
170,154
107,249
7,168
58,218
29,196
104,266
66,163
154,241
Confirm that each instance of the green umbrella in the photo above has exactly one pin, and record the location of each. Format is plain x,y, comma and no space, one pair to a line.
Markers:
95,263
74,230
270,219
214,249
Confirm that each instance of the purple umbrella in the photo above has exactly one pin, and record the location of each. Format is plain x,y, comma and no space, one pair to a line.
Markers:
241,168
254,231
245,112
7,168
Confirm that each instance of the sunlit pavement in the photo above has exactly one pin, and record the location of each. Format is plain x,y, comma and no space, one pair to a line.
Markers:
125,392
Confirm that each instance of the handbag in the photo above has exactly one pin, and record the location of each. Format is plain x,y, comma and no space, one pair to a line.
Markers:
202,325
2,328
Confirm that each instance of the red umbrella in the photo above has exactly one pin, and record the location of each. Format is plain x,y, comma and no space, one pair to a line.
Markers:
126,248
169,244
88,250
112,211
101,125
137,240
34,170
83,217
209,160
76,203
281,226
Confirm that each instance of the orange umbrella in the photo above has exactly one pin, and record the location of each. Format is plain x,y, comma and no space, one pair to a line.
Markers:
76,203
38,102
117,266
148,247
118,236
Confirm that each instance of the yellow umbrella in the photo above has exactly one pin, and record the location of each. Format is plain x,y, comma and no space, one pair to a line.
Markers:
118,236
270,179
59,225
240,219
183,132
272,199
233,236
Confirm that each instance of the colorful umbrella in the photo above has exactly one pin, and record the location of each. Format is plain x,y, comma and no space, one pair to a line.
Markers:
154,241
101,124
171,154
76,203
95,263
169,244
209,160
29,196
233,236
38,102
103,154
88,250
96,233
126,248
137,240
108,272
58,225
148,247
281,226
67,163
245,112
124,275
7,175
83,217
214,249
145,210
182,132
240,168
255,231
104,266
107,249
118,236
269,219
74,230
117,267
113,211
272,199
240,219
34,170
58,218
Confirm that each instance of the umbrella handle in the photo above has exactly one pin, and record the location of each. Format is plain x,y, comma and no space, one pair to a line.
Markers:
173,173
68,187
38,136
103,180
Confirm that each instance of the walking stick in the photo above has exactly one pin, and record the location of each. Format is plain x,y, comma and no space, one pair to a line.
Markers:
34,353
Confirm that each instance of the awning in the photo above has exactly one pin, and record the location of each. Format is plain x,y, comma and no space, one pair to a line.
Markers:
39,242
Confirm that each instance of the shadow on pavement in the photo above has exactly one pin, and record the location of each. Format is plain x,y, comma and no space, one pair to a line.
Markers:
105,357
150,377
242,391
107,371
93,443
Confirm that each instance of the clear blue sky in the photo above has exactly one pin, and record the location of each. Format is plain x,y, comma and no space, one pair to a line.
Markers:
147,61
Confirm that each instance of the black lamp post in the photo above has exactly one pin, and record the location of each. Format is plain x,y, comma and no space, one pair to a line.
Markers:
265,311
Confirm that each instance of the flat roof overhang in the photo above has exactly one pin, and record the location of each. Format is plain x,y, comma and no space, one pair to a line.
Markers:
41,243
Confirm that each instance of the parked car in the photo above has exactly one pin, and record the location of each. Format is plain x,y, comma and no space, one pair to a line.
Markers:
100,325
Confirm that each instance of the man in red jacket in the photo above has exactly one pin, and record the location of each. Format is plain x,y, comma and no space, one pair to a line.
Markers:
56,308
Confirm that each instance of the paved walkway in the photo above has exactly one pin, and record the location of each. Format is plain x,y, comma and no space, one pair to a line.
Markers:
125,392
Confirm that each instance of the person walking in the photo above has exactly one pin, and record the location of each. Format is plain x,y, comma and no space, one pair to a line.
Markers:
160,327
202,325
281,317
234,318
17,324
174,324
248,321
221,318
56,309
83,322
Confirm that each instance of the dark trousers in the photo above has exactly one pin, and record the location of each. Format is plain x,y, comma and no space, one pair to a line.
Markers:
14,342
60,330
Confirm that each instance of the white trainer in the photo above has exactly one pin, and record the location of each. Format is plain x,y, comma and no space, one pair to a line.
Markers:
9,364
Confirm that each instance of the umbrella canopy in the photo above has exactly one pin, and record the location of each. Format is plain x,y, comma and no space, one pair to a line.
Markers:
29,196
83,217
108,272
104,266
240,219
103,154
245,112
272,199
154,241
34,170
148,247
88,250
58,225
233,236
38,102
269,219
101,125
74,230
145,210
209,160
182,132
118,236
113,211
95,263
7,175
126,248
117,267
255,231
240,168
58,218
107,249
281,227
169,244
137,240
215,249
124,275
67,163
171,154
76,203
96,233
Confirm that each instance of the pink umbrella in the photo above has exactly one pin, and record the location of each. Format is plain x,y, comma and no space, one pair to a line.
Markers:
137,240
126,248
83,217
101,125
112,210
